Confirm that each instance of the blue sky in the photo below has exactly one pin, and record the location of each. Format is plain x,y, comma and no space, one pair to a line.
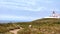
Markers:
27,9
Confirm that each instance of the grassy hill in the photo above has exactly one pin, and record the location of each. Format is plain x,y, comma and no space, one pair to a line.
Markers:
47,20
43,26
39,26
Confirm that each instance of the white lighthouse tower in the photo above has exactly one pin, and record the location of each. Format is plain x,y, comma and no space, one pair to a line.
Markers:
54,15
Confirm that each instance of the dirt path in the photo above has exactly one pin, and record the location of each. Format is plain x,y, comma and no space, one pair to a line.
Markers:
15,31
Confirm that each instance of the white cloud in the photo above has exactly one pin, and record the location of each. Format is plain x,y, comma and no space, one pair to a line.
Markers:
12,6
30,5
46,1
22,4
8,17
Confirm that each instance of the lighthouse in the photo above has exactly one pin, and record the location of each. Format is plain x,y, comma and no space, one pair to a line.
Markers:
53,15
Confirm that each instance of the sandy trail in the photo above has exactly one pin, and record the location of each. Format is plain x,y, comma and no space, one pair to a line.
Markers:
15,31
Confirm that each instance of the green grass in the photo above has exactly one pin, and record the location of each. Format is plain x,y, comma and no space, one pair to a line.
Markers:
40,26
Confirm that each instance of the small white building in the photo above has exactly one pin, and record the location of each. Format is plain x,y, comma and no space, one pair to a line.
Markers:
54,15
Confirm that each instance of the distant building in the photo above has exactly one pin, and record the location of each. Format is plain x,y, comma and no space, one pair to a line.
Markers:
54,15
